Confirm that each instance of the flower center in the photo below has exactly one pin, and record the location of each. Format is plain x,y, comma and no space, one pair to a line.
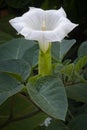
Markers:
43,26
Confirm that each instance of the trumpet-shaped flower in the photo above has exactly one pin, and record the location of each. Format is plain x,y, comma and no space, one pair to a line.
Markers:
44,26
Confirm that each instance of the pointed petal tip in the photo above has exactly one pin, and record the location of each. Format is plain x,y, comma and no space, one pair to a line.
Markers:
31,8
10,21
74,25
62,11
61,8
34,8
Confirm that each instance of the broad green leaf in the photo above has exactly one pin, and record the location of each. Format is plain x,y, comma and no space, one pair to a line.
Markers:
15,48
60,49
49,94
79,123
26,124
81,63
16,66
77,91
8,87
21,106
31,55
82,49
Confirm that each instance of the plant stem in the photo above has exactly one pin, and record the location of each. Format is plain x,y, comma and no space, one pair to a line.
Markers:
45,63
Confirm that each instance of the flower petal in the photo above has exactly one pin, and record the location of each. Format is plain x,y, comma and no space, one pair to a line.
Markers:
39,36
65,26
34,18
17,23
31,20
43,26
52,17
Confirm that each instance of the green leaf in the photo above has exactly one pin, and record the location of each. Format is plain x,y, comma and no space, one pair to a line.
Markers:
27,124
49,94
77,92
82,49
60,49
56,125
16,66
85,73
15,48
80,77
20,106
31,55
68,70
81,63
79,123
8,87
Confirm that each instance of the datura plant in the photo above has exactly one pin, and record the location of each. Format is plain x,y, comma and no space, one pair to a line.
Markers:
36,68
44,27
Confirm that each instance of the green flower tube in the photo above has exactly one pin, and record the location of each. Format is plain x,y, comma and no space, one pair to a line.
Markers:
45,62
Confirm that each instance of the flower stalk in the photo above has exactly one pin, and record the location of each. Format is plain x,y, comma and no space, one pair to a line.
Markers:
45,62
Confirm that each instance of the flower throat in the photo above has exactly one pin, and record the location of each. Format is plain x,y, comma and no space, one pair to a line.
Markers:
43,26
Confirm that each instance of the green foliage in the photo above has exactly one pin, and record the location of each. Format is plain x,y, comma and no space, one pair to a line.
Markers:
19,73
31,55
19,66
59,49
16,67
55,125
8,87
68,70
81,63
79,123
45,92
15,48
77,92
20,107
82,51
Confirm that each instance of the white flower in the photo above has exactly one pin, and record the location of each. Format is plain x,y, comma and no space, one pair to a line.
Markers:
46,122
43,26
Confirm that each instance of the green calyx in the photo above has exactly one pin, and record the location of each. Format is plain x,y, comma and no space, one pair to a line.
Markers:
44,62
